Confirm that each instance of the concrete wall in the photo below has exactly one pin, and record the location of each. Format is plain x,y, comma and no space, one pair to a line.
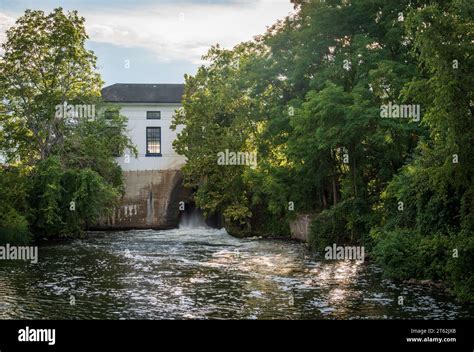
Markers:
301,226
151,201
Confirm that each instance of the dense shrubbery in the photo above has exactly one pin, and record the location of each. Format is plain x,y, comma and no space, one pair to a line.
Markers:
406,254
342,223
61,195
13,227
64,202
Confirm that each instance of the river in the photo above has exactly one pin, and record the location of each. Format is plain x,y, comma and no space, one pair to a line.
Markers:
204,274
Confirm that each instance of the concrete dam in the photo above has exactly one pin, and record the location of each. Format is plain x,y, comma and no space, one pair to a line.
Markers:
151,201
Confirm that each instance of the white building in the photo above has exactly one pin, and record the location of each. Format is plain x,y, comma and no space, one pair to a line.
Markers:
153,181
149,109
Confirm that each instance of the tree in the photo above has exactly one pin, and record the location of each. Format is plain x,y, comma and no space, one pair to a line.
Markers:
309,97
44,65
437,187
58,138
216,117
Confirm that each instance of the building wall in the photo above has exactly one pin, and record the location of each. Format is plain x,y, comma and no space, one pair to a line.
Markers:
153,184
137,124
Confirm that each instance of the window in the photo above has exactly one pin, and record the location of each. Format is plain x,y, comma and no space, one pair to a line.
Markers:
153,115
153,141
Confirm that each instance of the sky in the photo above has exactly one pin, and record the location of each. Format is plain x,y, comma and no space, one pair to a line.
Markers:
144,41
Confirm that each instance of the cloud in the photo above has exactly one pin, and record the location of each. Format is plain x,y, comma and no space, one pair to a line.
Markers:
181,31
184,31
5,23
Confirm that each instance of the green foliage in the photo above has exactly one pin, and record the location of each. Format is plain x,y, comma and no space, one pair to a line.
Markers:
13,191
459,269
307,96
60,175
396,253
95,142
44,64
341,224
436,187
220,114
64,202
45,198
329,227
403,254
13,227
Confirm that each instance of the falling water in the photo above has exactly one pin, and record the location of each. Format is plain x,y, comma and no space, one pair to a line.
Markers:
193,219
150,209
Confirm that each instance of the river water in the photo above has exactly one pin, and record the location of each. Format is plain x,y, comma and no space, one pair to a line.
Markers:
204,273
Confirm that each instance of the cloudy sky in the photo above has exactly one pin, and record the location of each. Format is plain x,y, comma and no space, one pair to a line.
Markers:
144,41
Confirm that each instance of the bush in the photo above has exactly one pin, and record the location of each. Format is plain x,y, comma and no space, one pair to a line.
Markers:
327,228
459,268
403,254
66,202
344,223
397,253
13,190
13,228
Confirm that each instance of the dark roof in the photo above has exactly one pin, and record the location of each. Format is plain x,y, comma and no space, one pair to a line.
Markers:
143,93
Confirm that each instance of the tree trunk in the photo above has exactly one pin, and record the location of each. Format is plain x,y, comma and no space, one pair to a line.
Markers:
354,171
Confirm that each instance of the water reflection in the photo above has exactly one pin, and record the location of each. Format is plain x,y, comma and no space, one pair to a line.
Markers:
203,273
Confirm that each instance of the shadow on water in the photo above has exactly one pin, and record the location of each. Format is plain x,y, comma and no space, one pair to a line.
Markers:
199,272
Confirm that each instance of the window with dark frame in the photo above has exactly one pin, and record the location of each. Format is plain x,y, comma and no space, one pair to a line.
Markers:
153,115
153,141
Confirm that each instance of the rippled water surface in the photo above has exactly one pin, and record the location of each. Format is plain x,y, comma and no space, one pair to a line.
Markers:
204,273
